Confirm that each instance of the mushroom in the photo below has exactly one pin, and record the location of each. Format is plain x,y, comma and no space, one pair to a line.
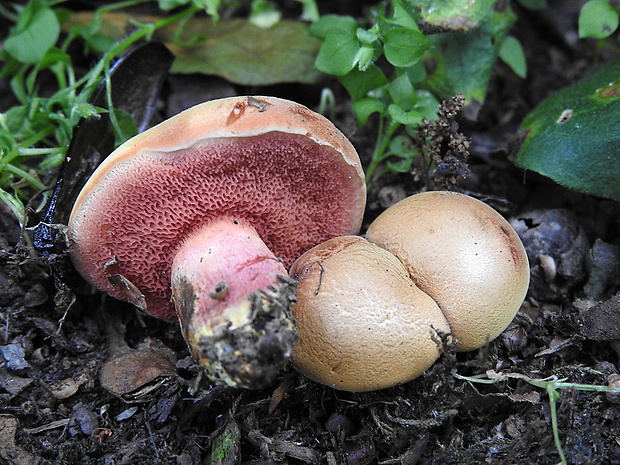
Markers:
434,264
463,254
362,322
200,216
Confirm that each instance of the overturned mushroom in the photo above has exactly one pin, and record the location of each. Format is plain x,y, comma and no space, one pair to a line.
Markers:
374,314
200,216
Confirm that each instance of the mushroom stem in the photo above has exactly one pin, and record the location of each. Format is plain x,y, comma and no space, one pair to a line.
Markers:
232,297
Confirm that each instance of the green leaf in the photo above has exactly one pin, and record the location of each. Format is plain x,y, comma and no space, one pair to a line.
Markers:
408,118
463,62
404,47
365,107
401,166
360,83
329,23
597,19
339,52
455,15
401,16
402,92
364,57
417,73
246,54
126,127
263,14
511,52
310,10
15,204
574,135
54,56
30,43
366,37
426,104
233,49
86,110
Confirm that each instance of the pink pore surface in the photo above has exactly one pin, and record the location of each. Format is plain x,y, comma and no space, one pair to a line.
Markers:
293,191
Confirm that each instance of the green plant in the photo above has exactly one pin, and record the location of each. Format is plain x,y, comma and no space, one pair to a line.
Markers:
598,19
385,66
551,386
35,132
573,135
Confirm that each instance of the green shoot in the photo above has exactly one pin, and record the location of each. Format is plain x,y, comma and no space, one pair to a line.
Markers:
551,386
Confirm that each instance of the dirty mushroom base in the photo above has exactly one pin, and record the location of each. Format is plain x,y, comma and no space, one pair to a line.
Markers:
247,349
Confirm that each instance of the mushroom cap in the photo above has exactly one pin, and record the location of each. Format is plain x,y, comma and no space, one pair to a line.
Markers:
287,171
463,254
362,323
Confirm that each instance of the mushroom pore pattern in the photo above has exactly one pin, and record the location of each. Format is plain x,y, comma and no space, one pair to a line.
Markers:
161,197
201,215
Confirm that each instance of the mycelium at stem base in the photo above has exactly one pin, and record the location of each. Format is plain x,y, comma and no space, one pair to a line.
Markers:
232,299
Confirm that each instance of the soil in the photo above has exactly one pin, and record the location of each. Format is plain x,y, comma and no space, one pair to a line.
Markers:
57,404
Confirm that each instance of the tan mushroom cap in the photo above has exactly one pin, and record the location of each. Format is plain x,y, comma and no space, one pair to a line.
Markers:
275,164
463,254
363,325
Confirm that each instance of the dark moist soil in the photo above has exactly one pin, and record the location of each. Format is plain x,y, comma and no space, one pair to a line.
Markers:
54,340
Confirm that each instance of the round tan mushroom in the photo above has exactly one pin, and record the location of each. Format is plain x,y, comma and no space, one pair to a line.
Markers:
362,323
463,254
439,266
205,211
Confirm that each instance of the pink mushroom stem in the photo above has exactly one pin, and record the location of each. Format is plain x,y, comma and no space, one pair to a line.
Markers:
217,268
223,274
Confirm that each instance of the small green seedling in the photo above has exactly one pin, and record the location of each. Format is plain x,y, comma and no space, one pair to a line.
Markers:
551,385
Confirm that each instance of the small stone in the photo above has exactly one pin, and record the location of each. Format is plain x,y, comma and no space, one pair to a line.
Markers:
14,356
613,381
64,388
13,384
85,419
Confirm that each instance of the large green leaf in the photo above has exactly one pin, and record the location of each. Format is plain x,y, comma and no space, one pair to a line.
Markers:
32,41
574,135
234,49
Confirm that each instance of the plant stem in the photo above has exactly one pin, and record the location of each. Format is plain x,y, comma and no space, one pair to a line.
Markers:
383,142
553,395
